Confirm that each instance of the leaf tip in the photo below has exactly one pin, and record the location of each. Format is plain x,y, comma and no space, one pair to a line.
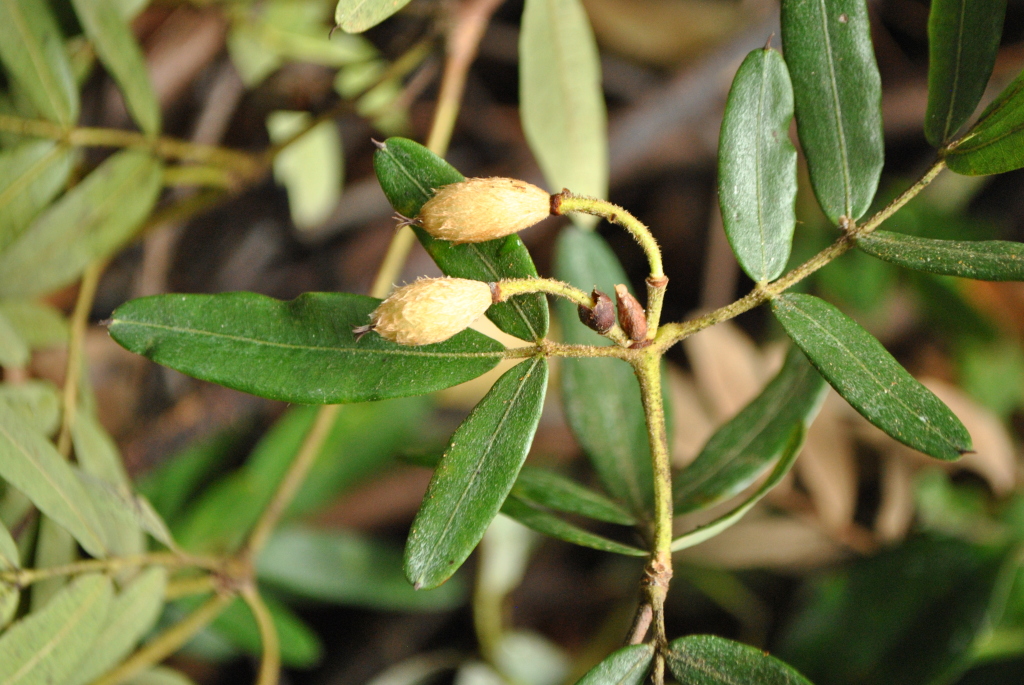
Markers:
379,145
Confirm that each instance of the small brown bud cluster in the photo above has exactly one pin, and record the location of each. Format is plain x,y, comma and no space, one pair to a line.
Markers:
430,310
602,317
632,317
480,209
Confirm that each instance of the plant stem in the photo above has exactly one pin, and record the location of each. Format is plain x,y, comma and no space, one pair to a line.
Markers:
566,202
27,576
670,334
517,286
73,374
270,664
169,641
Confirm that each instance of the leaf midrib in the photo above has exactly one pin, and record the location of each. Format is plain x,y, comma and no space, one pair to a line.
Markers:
838,111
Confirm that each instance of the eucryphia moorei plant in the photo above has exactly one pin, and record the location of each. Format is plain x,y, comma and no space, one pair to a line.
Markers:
336,348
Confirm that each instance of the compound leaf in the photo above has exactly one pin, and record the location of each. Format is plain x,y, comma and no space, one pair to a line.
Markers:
868,377
301,351
712,660
985,260
475,474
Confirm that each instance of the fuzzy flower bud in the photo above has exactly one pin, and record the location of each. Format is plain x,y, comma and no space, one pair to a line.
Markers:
480,209
431,310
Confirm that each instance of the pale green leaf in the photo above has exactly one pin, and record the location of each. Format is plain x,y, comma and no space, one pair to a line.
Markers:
158,675
36,402
125,513
31,176
39,324
355,16
9,561
54,547
14,352
311,168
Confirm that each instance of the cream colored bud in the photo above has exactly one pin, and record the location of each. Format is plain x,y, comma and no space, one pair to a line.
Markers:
480,209
431,310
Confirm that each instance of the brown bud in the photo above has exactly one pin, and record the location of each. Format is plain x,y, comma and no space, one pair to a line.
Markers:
632,317
431,310
480,209
602,317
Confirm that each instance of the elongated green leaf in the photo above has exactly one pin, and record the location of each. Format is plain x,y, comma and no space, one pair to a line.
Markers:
838,96
132,614
963,38
175,482
311,168
985,260
30,463
868,377
475,474
557,492
45,646
36,402
994,144
747,446
549,524
115,45
757,166
561,103
158,675
32,51
96,451
355,16
713,528
54,547
31,175
40,325
712,660
14,352
601,396
409,174
626,666
300,646
346,568
125,514
9,561
299,351
91,221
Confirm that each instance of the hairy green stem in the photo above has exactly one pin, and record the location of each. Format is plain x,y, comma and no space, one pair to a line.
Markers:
518,286
565,202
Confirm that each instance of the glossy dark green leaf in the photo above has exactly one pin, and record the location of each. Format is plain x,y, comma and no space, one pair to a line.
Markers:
475,474
31,175
601,396
995,144
712,660
713,528
908,615
29,462
561,103
985,260
301,351
963,38
838,96
757,166
89,222
547,523
9,561
752,441
300,645
347,568
115,45
555,491
626,666
45,646
133,613
32,51
355,16
409,174
868,377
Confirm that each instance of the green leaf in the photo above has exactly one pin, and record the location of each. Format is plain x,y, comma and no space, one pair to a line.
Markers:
963,39
868,377
30,463
409,174
838,96
47,645
132,614
712,660
310,168
298,351
175,482
158,675
752,441
124,513
347,568
985,260
757,166
300,646
32,51
39,324
601,396
14,352
626,666
554,491
713,528
96,452
909,615
549,524
54,547
9,561
115,45
475,474
90,222
561,103
355,16
995,144
31,176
